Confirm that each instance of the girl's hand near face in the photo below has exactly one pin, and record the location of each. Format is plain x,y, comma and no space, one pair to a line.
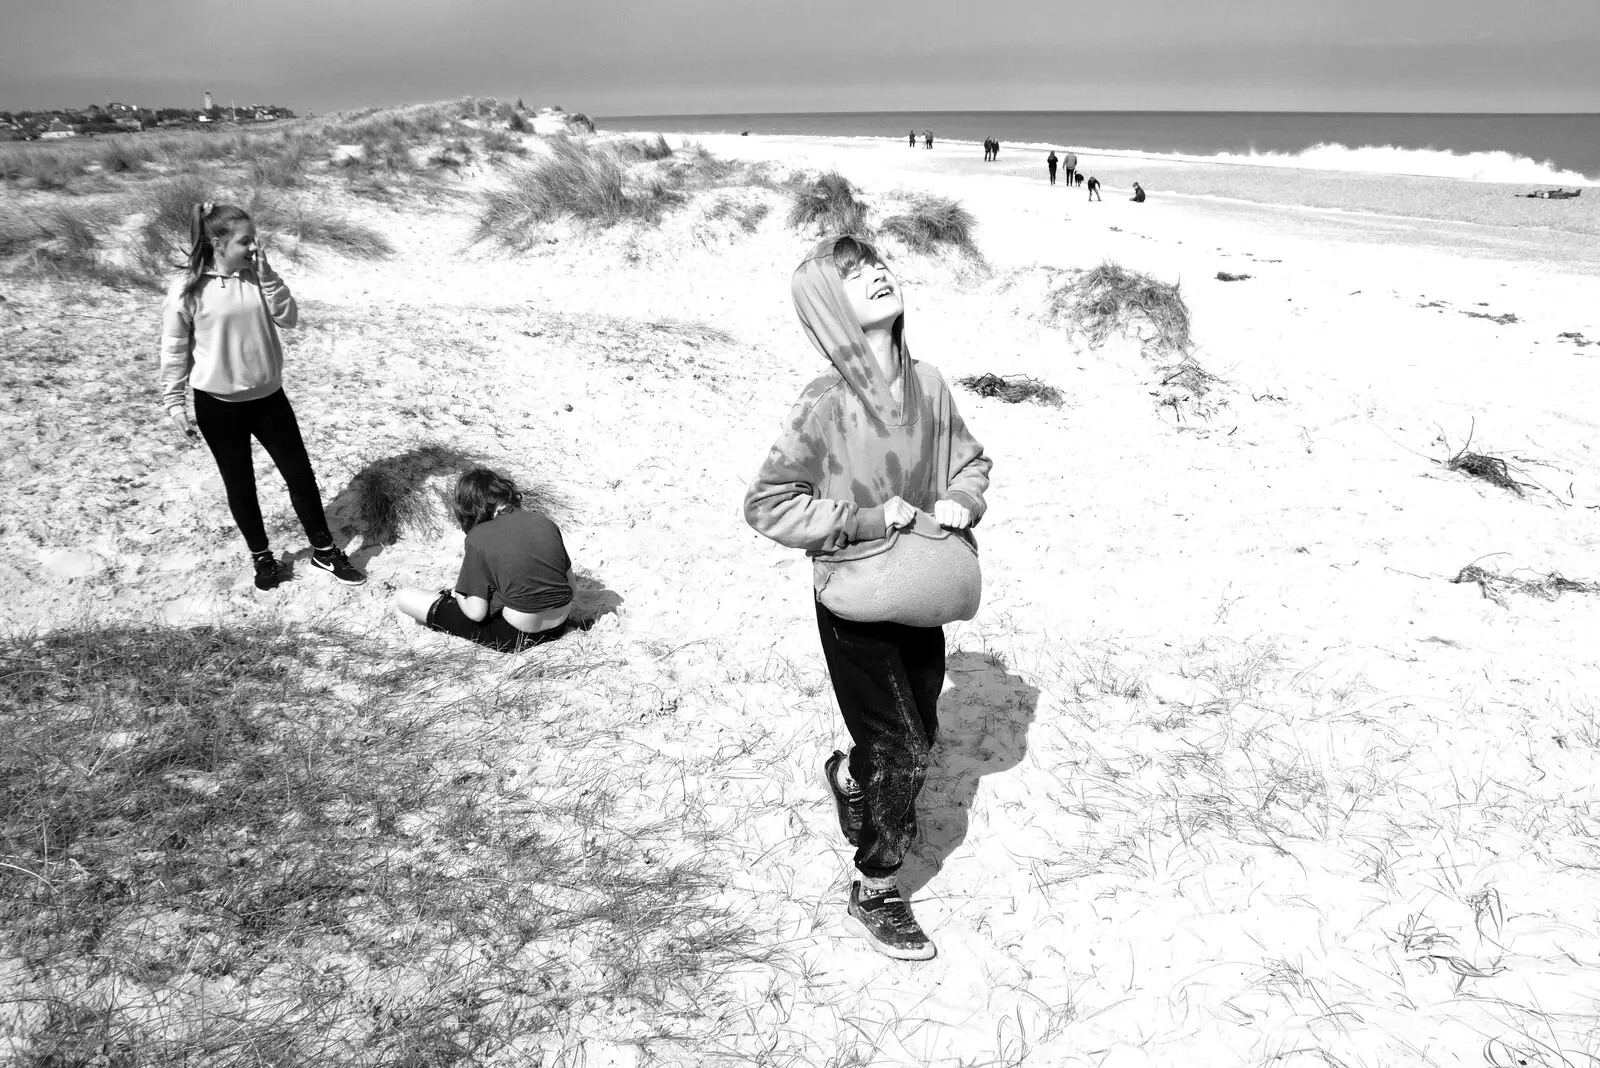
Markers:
262,266
897,513
952,515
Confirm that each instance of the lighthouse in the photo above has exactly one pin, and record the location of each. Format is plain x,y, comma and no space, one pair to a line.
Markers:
208,99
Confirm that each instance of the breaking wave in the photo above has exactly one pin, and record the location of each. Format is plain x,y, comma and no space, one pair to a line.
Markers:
1387,159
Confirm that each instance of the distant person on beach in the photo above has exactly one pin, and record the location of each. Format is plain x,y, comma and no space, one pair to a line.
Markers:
1069,164
1094,188
1138,193
1050,162
927,138
219,334
995,152
872,446
516,584
986,145
913,139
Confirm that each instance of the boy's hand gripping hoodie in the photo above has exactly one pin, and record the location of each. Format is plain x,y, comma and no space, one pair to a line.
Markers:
224,338
847,447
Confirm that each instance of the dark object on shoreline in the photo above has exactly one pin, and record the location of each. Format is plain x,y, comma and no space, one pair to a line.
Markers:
1224,276
744,133
1552,194
1138,193
1494,586
1013,389
1504,320
1576,338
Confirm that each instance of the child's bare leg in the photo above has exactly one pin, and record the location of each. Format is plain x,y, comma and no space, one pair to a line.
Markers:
415,603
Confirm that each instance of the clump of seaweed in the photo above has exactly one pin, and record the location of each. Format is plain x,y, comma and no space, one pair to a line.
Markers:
1229,276
1013,389
1547,587
1110,299
1491,469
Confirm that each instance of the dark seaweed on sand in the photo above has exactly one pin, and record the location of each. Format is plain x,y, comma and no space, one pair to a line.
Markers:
1547,587
1013,389
1110,299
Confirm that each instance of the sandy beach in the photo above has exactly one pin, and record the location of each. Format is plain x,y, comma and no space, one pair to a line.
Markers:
1232,771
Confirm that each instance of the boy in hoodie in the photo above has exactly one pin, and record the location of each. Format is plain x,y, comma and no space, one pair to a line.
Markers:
870,443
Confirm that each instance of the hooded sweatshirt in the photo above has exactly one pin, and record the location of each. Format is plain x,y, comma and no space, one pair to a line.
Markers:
848,445
224,339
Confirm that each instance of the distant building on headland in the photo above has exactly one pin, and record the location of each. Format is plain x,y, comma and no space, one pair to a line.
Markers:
59,130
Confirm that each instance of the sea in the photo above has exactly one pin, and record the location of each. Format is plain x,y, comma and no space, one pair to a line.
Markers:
1561,149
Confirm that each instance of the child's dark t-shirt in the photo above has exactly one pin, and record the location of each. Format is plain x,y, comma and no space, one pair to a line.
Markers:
516,560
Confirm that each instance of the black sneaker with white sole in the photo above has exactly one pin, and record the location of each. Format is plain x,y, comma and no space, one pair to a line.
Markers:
269,572
337,564
848,805
884,919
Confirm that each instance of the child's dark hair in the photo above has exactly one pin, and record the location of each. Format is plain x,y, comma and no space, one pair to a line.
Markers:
209,225
480,493
850,252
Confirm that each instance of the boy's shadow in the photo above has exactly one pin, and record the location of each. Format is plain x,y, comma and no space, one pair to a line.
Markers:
983,729
592,599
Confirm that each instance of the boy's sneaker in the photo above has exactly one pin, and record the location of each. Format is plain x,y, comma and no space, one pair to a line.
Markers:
848,805
269,573
884,919
337,564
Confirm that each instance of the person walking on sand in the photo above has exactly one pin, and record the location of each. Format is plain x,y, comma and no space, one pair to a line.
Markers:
927,138
913,140
1050,162
516,584
1094,188
1069,164
219,333
872,445
987,145
1138,193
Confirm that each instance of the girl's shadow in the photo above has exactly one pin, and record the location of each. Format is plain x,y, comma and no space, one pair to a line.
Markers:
983,728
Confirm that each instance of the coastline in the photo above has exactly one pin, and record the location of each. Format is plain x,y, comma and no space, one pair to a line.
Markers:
1408,196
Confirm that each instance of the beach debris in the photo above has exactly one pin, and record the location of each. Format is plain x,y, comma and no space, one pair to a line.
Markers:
1110,299
1013,389
1491,469
1552,194
1547,587
1576,338
1504,320
1228,276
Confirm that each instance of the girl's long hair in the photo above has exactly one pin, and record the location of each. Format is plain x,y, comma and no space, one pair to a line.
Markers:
209,225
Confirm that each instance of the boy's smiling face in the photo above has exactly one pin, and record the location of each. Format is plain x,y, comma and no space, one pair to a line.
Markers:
874,296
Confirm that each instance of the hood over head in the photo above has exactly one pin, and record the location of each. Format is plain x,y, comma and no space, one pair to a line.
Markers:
829,322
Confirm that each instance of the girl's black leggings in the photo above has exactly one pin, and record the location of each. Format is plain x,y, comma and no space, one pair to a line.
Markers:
228,427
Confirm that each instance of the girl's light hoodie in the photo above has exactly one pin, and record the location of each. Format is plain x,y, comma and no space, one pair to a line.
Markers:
224,339
847,446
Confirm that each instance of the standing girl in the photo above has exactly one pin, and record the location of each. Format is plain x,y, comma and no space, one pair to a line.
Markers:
219,334
871,446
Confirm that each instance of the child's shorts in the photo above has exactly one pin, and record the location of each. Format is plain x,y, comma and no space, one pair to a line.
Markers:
493,633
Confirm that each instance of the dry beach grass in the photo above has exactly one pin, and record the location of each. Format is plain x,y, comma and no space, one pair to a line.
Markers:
1237,765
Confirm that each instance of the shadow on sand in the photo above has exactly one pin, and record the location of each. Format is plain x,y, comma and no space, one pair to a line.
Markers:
983,729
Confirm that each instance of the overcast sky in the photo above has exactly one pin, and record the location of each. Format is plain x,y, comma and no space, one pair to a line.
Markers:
615,57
